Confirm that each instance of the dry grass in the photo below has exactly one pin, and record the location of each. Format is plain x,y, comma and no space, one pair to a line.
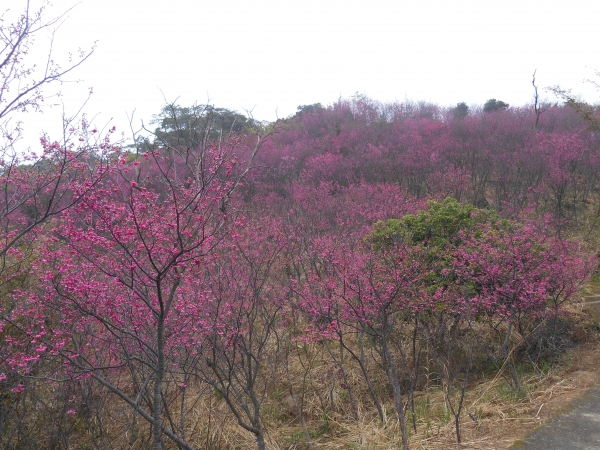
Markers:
500,416
494,416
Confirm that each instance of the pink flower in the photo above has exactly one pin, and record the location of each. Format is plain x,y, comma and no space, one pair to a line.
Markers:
71,411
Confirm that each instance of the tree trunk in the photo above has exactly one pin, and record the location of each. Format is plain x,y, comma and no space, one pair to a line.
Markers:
158,378
395,381
508,356
361,362
260,441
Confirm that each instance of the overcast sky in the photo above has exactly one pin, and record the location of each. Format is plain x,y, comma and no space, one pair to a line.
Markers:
273,55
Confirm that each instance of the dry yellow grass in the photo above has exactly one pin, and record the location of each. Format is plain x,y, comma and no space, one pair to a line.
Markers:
494,417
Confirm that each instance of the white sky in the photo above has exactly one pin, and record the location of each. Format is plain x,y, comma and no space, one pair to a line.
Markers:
273,55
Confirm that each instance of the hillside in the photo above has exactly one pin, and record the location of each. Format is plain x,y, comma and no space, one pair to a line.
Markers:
353,276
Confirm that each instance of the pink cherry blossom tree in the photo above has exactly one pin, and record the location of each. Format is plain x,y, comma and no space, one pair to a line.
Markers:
245,300
118,271
35,185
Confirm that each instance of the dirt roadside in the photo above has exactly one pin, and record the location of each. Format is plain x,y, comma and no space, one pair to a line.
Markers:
577,424
567,388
